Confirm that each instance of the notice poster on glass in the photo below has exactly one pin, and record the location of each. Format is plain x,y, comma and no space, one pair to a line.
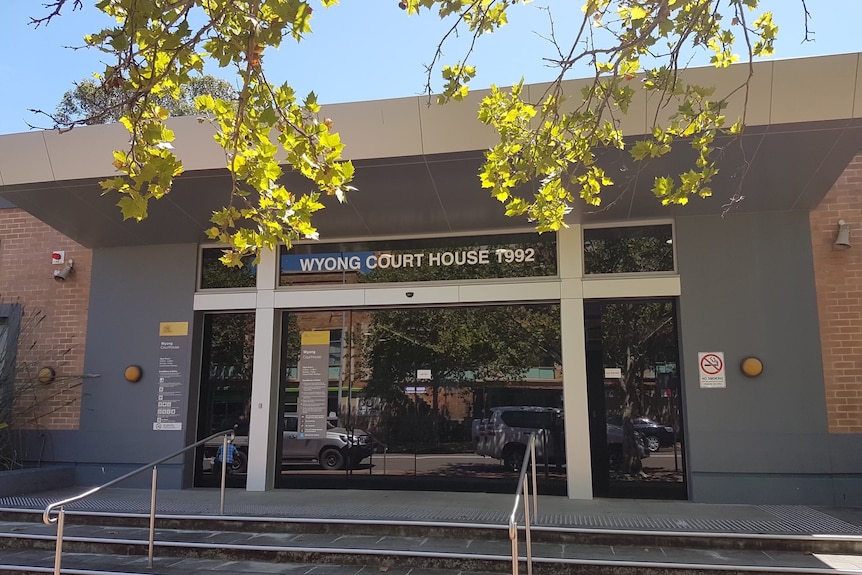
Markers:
313,384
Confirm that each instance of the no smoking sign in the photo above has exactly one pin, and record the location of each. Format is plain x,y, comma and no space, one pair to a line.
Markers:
711,367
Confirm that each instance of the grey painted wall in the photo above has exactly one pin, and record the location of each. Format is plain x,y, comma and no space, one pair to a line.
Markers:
748,290
133,290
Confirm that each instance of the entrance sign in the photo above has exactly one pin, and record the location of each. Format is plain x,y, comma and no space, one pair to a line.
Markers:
173,350
427,259
313,384
711,368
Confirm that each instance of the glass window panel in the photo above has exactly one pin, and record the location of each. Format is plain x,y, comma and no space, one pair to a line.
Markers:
4,349
629,249
480,257
215,274
10,323
415,388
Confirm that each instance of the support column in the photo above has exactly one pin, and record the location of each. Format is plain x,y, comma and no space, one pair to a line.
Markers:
578,462
262,457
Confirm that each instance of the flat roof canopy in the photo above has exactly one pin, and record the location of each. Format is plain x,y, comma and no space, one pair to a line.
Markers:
417,166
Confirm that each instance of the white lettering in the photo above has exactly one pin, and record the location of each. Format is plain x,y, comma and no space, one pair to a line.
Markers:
483,256
330,264
419,260
408,260
384,261
308,264
447,258
434,259
371,262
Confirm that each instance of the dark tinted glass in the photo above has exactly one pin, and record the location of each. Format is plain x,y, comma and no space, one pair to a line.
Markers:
215,274
417,382
528,419
500,256
628,249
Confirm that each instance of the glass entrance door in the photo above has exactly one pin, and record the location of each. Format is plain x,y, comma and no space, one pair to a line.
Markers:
634,401
225,393
421,398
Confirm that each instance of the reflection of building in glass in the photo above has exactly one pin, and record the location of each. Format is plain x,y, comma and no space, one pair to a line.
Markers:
440,367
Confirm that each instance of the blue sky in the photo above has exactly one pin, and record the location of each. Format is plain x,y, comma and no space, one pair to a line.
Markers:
361,50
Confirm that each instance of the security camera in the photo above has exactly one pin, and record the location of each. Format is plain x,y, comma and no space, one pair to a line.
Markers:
409,294
63,274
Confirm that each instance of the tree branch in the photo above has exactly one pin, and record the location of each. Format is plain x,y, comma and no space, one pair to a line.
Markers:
55,8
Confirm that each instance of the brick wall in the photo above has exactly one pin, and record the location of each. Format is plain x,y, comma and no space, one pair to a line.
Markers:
58,340
838,276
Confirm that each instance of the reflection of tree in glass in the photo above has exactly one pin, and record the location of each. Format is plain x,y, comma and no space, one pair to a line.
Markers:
291,343
214,274
232,346
607,252
462,347
636,337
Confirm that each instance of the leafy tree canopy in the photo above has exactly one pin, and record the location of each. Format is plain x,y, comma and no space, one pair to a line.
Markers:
158,46
94,102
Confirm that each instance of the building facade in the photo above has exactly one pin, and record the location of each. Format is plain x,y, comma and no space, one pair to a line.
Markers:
425,323
47,318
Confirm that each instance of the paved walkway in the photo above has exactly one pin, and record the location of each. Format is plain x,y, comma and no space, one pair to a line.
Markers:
482,508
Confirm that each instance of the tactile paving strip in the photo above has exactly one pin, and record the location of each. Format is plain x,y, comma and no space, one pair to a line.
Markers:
789,520
810,520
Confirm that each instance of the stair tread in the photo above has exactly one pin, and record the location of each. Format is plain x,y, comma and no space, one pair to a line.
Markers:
135,564
394,546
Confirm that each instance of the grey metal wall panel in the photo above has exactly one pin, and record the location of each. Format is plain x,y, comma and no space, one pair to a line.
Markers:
133,290
748,290
762,489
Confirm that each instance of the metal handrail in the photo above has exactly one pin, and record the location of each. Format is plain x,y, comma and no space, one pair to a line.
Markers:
61,505
523,486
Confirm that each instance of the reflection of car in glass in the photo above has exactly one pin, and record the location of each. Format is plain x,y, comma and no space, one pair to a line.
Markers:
334,451
504,435
656,434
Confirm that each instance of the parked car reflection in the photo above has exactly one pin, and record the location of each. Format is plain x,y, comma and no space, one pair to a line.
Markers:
656,435
504,436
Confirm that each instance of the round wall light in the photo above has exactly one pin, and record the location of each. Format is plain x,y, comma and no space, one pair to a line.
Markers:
47,375
751,366
134,373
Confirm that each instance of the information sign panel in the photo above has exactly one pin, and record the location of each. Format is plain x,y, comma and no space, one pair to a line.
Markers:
313,384
173,350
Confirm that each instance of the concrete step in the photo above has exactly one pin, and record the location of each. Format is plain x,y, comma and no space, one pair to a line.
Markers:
33,561
465,549
836,544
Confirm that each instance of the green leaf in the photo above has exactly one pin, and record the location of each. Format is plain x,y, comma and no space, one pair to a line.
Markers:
663,187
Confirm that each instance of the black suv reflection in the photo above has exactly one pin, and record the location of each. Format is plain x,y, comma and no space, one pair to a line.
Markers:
656,435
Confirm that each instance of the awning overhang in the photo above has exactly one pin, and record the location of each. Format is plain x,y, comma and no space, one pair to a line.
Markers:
417,167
